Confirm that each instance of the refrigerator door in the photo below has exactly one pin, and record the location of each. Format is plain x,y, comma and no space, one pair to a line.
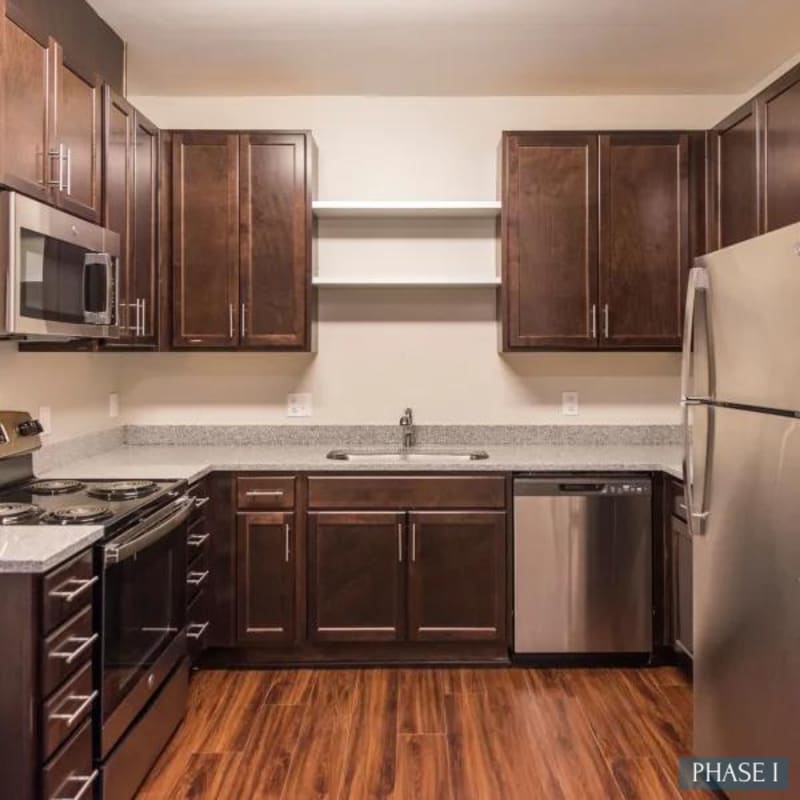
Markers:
747,594
753,306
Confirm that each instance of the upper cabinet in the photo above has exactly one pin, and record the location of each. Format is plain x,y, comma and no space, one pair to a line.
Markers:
241,241
596,240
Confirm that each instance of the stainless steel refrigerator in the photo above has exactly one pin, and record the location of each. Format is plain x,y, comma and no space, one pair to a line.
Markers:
741,405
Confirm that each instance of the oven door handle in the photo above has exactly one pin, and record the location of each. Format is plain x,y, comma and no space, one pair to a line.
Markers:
114,553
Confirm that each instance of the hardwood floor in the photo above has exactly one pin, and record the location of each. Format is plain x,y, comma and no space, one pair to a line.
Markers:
430,734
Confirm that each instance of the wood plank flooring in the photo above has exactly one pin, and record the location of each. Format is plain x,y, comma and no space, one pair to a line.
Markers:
429,734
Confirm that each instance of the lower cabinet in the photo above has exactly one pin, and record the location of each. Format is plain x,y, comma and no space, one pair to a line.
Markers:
682,587
265,552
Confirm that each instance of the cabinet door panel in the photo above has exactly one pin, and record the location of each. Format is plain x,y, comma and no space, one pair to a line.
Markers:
205,184
457,576
77,127
780,126
264,578
682,561
25,64
644,238
733,155
274,240
549,240
355,573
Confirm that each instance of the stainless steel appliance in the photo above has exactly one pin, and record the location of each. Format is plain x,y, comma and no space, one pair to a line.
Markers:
741,405
139,589
60,276
582,564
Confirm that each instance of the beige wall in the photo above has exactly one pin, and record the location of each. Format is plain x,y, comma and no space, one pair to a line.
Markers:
380,350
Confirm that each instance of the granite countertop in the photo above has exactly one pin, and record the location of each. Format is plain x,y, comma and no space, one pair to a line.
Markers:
39,548
194,461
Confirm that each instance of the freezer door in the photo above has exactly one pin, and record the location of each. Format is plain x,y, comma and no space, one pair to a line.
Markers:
747,594
753,302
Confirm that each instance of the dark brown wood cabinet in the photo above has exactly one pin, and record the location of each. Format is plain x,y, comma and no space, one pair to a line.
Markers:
682,560
644,239
265,585
241,240
356,576
457,576
596,235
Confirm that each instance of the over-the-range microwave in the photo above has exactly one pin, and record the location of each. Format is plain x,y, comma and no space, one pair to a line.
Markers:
60,276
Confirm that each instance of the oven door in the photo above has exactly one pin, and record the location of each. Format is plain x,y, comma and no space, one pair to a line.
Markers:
63,275
143,613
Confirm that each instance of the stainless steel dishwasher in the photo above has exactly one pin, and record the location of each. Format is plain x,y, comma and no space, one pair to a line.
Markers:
582,564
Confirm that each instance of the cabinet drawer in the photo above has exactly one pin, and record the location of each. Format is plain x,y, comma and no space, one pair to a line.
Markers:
401,492
197,576
66,589
264,493
201,492
66,650
65,710
197,542
71,772
678,501
198,623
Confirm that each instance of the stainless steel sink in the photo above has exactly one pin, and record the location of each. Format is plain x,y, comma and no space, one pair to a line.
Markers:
398,455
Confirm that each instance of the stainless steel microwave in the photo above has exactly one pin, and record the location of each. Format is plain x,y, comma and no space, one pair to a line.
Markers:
61,275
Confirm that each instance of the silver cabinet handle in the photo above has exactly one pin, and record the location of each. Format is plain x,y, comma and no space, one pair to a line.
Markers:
197,539
59,154
68,596
606,323
85,642
260,493
199,502
286,536
400,542
413,542
86,780
69,170
194,630
85,701
196,578
230,320
594,320
144,316
244,320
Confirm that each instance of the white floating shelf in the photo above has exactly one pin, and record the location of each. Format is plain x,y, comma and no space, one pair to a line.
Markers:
400,283
406,208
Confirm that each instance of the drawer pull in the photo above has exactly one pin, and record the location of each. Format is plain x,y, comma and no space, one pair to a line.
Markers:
262,493
197,539
196,578
196,629
80,586
682,507
85,700
87,782
199,502
85,643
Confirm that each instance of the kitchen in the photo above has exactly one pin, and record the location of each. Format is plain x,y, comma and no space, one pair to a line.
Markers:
387,366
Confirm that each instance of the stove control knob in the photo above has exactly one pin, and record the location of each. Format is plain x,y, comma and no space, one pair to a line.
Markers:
31,427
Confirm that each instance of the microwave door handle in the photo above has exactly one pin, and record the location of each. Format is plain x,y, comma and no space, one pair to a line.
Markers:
104,317
115,553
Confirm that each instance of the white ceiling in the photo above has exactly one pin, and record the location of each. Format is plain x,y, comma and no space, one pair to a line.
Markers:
452,47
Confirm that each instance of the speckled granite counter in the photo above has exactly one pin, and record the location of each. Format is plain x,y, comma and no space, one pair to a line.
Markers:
192,462
39,548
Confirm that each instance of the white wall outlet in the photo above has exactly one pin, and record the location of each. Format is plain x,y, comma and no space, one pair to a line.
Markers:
569,404
46,419
113,405
298,405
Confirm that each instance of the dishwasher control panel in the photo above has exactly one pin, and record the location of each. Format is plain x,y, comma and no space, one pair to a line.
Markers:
635,487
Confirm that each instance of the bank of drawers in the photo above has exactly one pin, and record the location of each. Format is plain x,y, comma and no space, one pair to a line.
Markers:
198,571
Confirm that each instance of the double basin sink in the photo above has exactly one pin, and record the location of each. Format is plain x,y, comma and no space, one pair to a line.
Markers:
409,455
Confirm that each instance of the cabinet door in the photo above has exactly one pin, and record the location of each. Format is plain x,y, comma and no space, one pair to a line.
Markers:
644,238
205,248
76,132
779,121
118,119
682,586
457,576
275,241
26,165
355,576
265,552
734,168
549,241
144,267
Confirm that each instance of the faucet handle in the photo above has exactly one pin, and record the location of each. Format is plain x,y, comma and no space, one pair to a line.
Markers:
408,417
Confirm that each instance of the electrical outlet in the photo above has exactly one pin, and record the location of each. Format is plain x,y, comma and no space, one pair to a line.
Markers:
113,405
45,418
569,404
298,405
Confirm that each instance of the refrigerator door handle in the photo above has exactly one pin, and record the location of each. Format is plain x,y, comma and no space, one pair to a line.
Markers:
698,282
696,511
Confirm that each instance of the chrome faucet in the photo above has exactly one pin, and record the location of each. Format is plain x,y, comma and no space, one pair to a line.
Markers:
407,426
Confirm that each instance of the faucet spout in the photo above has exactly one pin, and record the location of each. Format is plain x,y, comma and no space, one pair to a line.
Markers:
407,427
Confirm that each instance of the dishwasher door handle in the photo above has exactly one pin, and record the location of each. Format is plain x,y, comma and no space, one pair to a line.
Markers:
581,488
